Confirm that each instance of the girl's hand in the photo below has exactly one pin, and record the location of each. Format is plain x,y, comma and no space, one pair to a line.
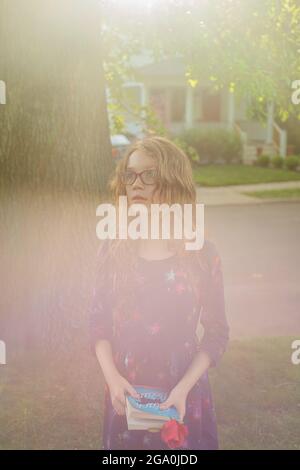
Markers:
177,398
118,388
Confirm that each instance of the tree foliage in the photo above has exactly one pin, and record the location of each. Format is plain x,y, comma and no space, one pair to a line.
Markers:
251,47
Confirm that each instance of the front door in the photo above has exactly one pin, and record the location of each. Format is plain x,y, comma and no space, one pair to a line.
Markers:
158,103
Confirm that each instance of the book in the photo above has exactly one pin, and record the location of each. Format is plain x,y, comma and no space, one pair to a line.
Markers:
144,413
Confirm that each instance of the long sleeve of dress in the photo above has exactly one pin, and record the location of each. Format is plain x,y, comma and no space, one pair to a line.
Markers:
213,316
100,311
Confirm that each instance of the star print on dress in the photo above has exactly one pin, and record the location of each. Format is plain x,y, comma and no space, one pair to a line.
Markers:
154,329
180,288
136,315
197,413
206,402
170,275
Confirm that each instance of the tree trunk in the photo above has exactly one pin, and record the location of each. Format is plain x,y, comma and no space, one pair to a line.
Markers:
54,127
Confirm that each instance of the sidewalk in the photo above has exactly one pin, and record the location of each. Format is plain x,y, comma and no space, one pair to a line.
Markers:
228,195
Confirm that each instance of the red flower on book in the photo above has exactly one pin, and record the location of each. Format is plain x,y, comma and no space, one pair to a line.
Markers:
174,433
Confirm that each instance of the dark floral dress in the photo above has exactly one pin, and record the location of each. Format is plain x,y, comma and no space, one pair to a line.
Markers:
158,344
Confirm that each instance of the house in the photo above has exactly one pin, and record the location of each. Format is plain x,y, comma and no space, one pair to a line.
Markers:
163,86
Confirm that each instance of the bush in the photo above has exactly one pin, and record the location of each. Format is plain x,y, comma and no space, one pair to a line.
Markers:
215,145
188,150
232,147
263,161
277,161
292,162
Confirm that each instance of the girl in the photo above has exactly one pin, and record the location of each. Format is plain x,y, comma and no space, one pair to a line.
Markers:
148,298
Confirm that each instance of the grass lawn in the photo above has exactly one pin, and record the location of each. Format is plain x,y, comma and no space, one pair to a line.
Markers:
256,393
256,390
293,193
226,175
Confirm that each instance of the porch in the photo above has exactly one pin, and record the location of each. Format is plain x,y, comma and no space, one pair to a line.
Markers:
180,106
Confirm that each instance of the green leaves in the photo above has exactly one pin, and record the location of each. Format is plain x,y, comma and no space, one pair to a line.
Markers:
249,47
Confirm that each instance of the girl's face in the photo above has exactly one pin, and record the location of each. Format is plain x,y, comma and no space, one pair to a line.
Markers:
144,189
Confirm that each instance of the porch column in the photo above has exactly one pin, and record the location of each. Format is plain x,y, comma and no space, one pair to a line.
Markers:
270,122
144,95
144,99
283,143
231,110
189,107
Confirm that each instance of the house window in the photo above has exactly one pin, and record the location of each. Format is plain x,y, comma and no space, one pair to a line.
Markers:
211,105
207,105
158,103
177,104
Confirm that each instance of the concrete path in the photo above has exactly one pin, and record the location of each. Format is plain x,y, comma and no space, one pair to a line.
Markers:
228,195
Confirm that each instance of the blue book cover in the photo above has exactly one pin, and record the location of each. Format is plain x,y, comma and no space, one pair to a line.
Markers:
149,401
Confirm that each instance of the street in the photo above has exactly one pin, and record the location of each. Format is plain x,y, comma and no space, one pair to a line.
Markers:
259,248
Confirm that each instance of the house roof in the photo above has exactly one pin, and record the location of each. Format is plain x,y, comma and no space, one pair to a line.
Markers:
171,66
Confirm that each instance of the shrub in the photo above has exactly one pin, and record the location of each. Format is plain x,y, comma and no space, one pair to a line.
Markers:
189,150
292,162
263,161
277,161
215,145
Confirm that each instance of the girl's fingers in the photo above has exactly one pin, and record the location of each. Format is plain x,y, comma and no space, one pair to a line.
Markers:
120,398
182,415
132,391
164,405
119,403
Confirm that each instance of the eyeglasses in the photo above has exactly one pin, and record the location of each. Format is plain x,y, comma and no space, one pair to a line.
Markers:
146,176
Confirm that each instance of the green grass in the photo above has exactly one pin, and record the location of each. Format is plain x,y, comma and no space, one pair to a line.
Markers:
293,193
257,395
255,390
227,175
